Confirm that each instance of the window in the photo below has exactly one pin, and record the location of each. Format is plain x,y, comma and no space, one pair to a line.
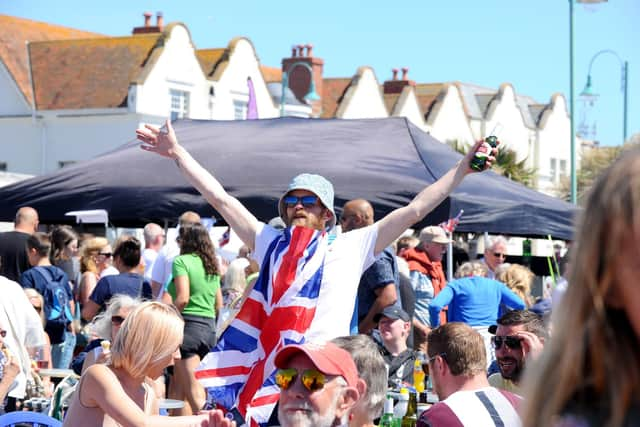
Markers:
179,104
3,166
239,110
65,163
553,169
563,168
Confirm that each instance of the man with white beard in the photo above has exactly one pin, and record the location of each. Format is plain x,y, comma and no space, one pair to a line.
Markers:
318,385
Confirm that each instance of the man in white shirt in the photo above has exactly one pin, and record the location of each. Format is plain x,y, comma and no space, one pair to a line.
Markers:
153,241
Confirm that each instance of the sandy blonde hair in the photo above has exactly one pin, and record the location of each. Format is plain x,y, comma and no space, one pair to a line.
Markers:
91,248
593,355
518,278
32,293
151,332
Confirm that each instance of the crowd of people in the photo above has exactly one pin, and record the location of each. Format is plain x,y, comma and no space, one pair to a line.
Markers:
310,326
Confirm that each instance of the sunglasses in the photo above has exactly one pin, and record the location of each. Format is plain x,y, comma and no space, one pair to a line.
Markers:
106,254
306,201
499,255
3,334
510,341
311,379
117,320
425,364
38,309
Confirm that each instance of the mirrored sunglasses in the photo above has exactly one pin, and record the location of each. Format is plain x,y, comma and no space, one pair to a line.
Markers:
510,341
306,201
311,379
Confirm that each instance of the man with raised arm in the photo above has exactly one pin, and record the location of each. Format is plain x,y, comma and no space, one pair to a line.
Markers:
307,286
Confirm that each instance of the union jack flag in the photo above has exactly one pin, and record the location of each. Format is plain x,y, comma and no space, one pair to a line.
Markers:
238,373
451,224
224,239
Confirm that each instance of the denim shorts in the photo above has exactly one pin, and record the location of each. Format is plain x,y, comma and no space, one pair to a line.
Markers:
199,336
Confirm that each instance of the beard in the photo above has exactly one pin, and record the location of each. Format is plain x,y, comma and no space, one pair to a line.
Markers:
306,416
510,368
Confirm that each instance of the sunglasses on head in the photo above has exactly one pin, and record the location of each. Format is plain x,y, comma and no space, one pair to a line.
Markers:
117,320
3,333
510,341
306,201
106,254
311,379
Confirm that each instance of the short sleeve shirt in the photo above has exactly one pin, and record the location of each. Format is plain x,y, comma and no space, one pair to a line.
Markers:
202,286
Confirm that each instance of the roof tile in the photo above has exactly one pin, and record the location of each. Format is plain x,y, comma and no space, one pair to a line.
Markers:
332,92
16,32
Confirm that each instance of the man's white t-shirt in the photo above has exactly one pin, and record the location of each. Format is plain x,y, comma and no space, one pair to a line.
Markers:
347,257
148,257
161,269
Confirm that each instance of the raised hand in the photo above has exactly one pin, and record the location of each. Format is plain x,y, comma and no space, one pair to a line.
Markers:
466,162
163,142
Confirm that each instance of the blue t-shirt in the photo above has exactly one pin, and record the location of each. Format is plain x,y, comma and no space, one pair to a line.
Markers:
379,275
131,284
473,300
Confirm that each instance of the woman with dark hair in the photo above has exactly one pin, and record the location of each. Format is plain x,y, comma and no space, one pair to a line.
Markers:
65,250
196,294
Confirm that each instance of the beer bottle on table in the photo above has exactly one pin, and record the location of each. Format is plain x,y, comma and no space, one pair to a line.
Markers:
387,417
418,376
410,419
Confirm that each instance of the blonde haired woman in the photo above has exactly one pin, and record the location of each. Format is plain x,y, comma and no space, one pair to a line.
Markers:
518,278
116,394
589,374
95,257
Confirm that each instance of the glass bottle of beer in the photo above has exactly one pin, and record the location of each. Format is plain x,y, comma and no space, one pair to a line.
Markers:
410,419
387,418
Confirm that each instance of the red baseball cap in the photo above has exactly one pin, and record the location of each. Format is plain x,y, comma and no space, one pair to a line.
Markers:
328,359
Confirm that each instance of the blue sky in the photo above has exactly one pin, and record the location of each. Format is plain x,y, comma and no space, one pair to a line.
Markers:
489,42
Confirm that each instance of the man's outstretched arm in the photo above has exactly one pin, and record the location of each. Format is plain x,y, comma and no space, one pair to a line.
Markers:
392,225
165,143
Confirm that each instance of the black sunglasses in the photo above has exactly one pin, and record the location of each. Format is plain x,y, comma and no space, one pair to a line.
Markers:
3,334
306,201
117,320
106,254
512,342
499,255
425,364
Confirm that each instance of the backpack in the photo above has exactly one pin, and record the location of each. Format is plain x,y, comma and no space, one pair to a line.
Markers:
57,309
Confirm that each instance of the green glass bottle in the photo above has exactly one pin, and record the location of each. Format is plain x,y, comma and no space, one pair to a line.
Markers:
484,151
387,417
410,419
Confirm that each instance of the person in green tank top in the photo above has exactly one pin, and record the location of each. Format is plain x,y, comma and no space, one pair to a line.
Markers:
196,293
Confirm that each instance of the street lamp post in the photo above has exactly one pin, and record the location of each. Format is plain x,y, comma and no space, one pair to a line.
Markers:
574,182
310,96
588,93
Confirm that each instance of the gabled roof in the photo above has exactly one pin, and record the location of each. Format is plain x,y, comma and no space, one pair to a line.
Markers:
390,101
426,94
271,74
16,32
209,59
333,91
90,73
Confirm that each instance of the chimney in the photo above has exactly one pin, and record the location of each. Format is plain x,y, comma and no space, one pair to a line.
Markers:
394,85
148,28
159,21
147,19
299,76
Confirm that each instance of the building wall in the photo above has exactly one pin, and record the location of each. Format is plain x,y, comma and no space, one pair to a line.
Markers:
11,100
514,135
365,99
408,107
553,147
448,121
